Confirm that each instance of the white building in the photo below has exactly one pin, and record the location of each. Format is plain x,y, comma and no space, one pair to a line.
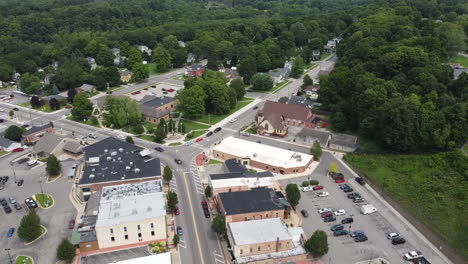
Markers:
131,214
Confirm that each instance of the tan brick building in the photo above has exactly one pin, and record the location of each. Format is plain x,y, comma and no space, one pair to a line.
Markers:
37,132
155,108
266,241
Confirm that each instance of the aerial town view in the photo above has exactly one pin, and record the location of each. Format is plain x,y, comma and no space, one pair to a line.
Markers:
234,132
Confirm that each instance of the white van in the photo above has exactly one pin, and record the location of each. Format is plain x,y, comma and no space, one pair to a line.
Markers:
32,162
368,209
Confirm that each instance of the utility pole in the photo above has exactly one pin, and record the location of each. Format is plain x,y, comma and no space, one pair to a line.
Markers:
13,169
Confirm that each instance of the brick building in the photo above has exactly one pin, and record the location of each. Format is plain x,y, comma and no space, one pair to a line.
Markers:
154,108
264,157
266,241
37,132
195,70
112,162
260,203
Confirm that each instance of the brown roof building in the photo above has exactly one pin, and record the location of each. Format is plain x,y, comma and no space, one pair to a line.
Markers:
275,117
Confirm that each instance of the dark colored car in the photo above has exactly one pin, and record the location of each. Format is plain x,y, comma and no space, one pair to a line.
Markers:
255,108
217,129
340,232
347,190
109,92
347,220
398,240
353,195
25,126
2,120
204,204
356,233
360,180
259,142
159,149
327,214
342,186
153,86
18,207
304,213
329,219
20,182
7,209
176,210
71,224
15,109
179,231
360,238
337,227
207,213
10,232
178,161
3,202
209,134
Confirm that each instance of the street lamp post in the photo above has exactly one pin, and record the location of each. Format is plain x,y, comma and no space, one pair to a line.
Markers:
13,169
9,256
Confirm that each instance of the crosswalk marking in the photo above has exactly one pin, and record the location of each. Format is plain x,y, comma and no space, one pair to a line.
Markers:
182,244
218,257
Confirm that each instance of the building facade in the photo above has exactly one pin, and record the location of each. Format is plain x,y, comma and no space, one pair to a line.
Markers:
37,132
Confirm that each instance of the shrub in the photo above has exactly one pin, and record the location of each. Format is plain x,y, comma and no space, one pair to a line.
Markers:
314,182
305,183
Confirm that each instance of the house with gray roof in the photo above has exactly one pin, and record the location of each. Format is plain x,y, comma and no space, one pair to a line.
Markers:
343,142
8,145
86,88
61,146
308,136
153,108
280,74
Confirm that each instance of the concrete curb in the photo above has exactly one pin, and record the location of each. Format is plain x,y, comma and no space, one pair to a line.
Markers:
43,234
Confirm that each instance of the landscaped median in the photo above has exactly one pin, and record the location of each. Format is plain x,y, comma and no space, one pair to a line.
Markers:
24,260
43,232
45,201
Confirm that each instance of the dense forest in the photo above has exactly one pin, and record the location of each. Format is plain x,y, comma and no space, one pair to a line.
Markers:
392,82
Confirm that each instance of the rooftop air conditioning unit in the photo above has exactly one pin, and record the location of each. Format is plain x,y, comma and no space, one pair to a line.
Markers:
127,168
131,163
121,149
137,170
109,158
106,150
113,153
91,176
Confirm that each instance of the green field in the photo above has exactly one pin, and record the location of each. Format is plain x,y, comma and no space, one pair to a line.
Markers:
213,119
147,137
190,125
462,60
432,187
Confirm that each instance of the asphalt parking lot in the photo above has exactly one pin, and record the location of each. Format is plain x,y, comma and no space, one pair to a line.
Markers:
55,219
343,249
115,256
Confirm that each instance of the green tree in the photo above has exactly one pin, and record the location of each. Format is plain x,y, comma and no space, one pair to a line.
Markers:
162,58
262,82
239,86
30,84
104,56
297,67
208,191
306,81
167,174
14,133
316,150
301,36
317,244
134,56
140,72
333,168
129,139
176,240
30,226
219,224
53,167
65,251
82,107
247,68
122,112
263,62
293,194
92,48
54,104
172,200
35,102
11,113
191,101
160,133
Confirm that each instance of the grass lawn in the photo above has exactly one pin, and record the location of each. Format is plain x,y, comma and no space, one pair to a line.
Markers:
44,199
150,127
3,153
432,187
213,161
23,260
46,108
245,98
310,66
87,122
196,134
324,55
25,104
152,68
147,137
463,61
190,125
175,144
213,119
281,85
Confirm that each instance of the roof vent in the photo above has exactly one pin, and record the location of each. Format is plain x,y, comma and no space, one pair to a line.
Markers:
137,170
113,153
121,149
106,150
119,158
131,163
115,205
91,176
255,155
109,158
149,209
127,168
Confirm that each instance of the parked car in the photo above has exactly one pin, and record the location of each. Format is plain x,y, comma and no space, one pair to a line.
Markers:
18,149
17,206
304,213
322,194
10,232
347,220
358,200
25,126
92,135
170,90
398,240
199,140
360,180
360,238
153,86
340,232
255,107
2,120
7,209
233,120
217,129
342,186
348,189
204,204
178,161
12,200
340,181
317,187
207,213
180,232
15,109
32,162
413,255
5,179
324,210
329,219
337,227
353,195
30,202
340,212
209,134
307,189
3,202
159,149
392,235
71,224
20,182
327,214
356,233
176,210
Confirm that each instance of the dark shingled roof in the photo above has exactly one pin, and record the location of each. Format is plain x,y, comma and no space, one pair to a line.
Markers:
156,101
255,200
195,67
233,175
115,157
233,166
36,129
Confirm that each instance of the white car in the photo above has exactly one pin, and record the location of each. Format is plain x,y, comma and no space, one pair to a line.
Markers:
340,212
1,110
188,143
307,189
324,210
233,120
322,194
32,162
413,255
392,235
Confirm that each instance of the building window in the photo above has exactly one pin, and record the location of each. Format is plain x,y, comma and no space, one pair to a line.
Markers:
126,237
254,217
241,251
261,216
111,231
245,218
229,189
152,225
125,229
251,250
259,248
268,248
287,244
274,169
112,239
266,215
279,245
152,233
276,214
139,235
138,226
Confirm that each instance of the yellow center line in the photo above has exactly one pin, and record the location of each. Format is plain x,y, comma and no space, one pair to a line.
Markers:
193,219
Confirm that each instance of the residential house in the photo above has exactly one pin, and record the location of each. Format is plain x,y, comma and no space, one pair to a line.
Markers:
275,118
37,132
315,55
15,77
331,44
190,58
126,75
280,74
47,78
153,108
312,91
58,97
115,52
88,88
59,145
238,178
92,62
308,136
8,145
300,101
145,49
230,73
111,162
343,142
457,72
195,70
119,61
259,203
181,44
266,241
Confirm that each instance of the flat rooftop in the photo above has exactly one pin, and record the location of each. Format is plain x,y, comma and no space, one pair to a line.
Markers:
255,200
113,160
263,153
131,202
259,231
